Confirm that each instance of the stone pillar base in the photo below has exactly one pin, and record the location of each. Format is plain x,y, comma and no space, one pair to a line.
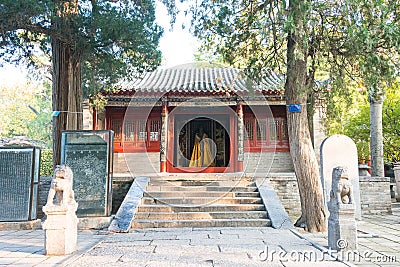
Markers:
60,229
342,228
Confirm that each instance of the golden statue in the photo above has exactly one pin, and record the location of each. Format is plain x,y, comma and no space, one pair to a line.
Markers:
208,159
195,160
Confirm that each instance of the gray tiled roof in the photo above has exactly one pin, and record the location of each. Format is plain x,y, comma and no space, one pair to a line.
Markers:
197,79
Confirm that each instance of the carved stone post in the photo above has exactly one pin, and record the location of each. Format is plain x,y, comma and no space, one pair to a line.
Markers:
163,141
396,170
342,229
240,136
376,143
61,224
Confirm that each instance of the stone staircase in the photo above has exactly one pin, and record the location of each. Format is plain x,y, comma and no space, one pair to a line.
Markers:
201,201
396,207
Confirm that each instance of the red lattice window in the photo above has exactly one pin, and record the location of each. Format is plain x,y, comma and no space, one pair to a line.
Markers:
135,133
265,133
155,126
116,126
248,125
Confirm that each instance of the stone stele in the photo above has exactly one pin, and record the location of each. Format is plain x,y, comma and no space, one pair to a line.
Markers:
340,150
61,223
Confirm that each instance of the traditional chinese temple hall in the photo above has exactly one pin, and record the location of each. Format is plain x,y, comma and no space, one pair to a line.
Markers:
198,143
192,119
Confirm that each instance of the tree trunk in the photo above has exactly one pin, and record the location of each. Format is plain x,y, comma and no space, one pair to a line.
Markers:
376,143
66,88
313,217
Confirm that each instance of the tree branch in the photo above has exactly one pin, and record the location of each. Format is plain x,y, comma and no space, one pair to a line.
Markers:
33,28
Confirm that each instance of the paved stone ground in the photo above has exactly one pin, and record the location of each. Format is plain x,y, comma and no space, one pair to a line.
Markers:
378,241
26,247
379,237
203,247
167,247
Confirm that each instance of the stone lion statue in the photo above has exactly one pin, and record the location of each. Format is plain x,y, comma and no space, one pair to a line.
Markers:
342,190
61,187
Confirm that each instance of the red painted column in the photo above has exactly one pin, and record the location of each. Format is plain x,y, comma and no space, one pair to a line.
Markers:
94,122
240,137
163,141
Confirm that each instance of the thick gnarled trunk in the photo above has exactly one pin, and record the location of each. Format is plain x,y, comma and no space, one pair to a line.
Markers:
67,94
313,217
67,88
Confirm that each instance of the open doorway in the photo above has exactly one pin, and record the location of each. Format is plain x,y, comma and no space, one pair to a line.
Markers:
204,136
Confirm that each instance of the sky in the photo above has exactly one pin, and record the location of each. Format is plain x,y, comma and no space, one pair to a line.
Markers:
178,47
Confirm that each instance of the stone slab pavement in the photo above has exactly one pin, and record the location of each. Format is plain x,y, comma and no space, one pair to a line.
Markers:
169,247
26,248
204,247
378,239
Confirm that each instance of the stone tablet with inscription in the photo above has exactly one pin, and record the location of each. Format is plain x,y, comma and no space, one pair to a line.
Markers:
89,155
340,150
19,179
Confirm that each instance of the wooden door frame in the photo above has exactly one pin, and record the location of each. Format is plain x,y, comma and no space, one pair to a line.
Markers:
232,131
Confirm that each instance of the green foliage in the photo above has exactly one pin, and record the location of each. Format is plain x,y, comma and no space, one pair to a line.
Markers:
40,128
373,32
26,110
357,128
206,56
123,42
354,121
346,98
351,38
391,123
111,39
15,113
244,33
46,162
98,102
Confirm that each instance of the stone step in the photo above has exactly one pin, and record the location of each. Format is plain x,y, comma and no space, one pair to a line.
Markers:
201,183
202,200
201,215
209,208
202,177
188,194
140,224
202,188
396,205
